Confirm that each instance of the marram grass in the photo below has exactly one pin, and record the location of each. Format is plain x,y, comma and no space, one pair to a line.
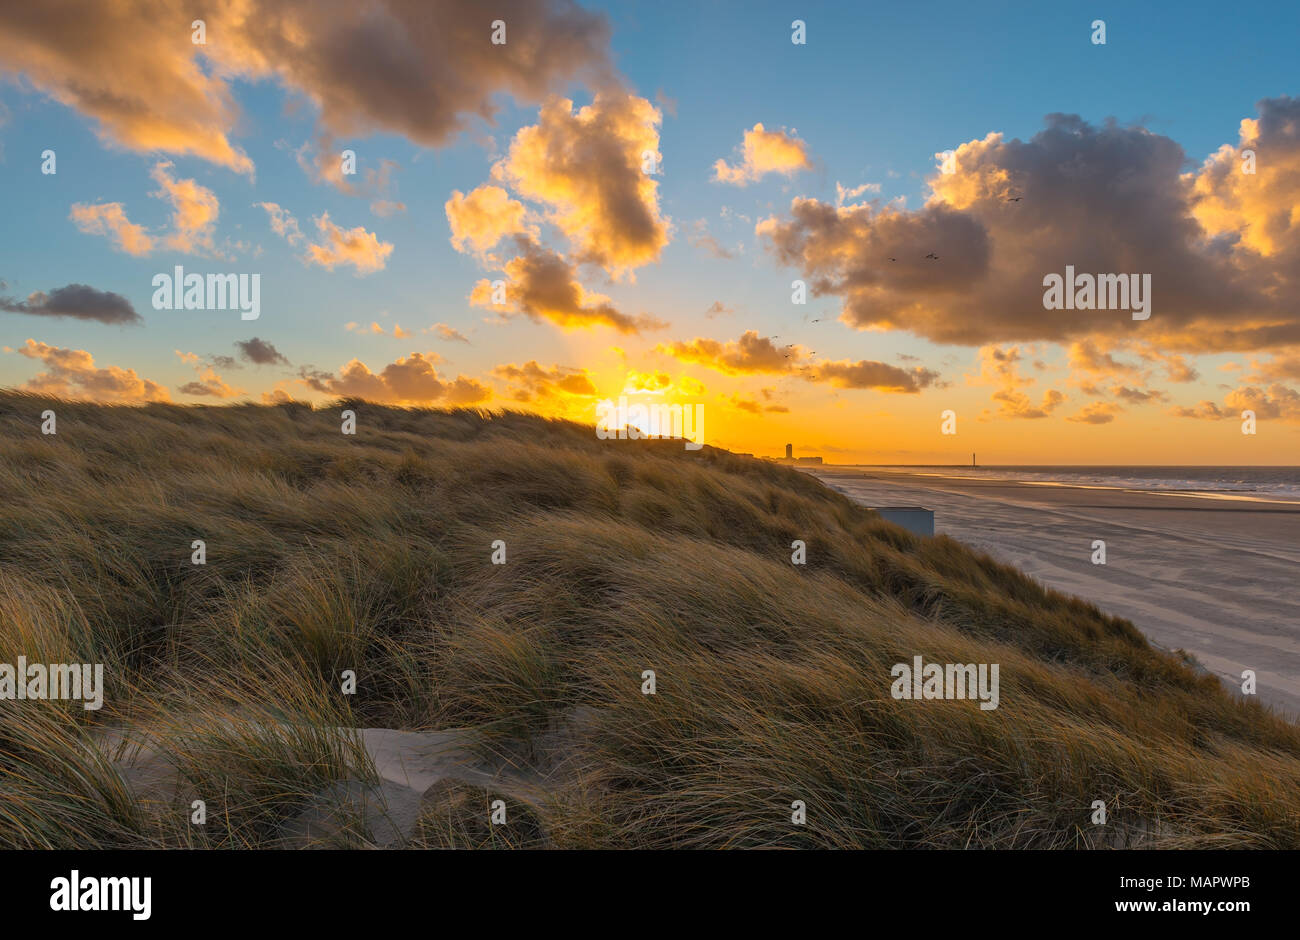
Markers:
372,553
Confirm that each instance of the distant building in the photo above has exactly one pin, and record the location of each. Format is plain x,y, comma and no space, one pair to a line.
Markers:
789,451
808,460
914,519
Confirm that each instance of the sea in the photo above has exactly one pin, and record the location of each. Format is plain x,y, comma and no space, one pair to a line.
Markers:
1281,483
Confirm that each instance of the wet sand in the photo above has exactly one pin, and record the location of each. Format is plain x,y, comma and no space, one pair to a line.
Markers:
1215,577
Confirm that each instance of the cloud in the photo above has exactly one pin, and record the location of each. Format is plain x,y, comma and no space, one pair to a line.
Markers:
209,384
110,219
1001,368
588,166
484,217
375,328
1277,401
879,376
751,354
1109,199
698,237
420,68
754,406
1260,210
1138,396
386,207
763,152
77,301
355,246
758,355
283,223
532,383
1097,412
1206,410
323,163
1086,357
72,374
260,352
195,209
1177,368
448,333
411,380
542,285
845,194
654,381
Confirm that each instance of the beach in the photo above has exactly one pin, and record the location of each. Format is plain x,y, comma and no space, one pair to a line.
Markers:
1211,574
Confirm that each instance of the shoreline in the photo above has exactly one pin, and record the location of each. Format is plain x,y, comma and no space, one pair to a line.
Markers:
1213,576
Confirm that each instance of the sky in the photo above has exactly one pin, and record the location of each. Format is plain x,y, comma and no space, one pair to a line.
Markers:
618,200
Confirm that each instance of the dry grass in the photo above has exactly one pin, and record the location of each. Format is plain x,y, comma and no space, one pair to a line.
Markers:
372,553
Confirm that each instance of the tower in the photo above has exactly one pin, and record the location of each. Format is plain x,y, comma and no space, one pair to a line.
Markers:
789,452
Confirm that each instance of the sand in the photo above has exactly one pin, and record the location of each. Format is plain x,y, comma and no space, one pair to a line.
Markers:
409,765
1214,577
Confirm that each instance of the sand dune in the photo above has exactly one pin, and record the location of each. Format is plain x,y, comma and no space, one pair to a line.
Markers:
409,766
1214,577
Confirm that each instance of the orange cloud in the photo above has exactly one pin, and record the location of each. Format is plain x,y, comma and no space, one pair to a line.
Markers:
407,381
484,217
110,219
1001,368
589,167
448,333
1097,412
1254,199
559,388
542,286
72,374
749,355
385,65
755,355
194,211
283,223
355,246
763,152
194,215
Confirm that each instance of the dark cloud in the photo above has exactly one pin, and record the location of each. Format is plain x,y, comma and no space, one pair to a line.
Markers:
543,285
880,376
77,301
1224,266
260,352
421,68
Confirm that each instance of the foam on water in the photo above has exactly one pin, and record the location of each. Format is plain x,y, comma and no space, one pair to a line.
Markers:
1243,482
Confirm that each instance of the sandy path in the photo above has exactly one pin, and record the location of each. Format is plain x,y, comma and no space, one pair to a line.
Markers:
1216,578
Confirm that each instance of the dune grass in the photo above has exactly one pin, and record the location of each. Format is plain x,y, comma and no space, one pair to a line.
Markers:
372,553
